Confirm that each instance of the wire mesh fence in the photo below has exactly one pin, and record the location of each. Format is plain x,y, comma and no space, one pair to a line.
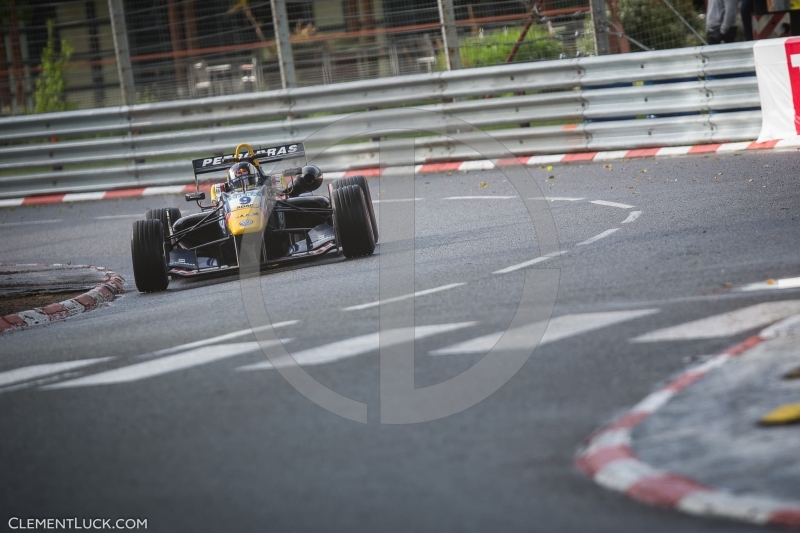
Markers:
60,55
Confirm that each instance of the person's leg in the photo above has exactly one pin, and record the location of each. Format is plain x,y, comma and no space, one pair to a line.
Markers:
728,26
747,19
714,21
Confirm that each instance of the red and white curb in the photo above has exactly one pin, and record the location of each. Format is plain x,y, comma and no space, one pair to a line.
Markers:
610,461
578,157
112,285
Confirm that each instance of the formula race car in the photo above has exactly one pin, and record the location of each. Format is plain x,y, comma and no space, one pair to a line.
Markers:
268,192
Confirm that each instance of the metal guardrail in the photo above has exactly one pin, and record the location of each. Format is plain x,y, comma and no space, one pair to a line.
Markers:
673,97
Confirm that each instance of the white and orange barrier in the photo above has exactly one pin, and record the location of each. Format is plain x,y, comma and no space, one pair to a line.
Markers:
778,69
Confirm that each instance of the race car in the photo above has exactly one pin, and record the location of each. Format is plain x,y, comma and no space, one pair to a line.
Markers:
268,192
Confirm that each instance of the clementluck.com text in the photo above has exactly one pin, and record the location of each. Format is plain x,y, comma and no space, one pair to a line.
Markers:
77,523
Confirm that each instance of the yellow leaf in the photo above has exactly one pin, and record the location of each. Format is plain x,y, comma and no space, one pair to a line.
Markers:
482,184
549,167
785,414
770,281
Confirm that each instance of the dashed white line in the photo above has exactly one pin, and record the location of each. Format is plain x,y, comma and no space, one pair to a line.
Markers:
112,217
37,371
632,216
725,324
786,283
336,351
225,337
397,200
612,204
558,328
30,223
597,237
163,365
526,264
404,297
557,199
479,197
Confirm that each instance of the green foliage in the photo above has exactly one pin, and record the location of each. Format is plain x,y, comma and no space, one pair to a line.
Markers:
51,84
653,24
145,97
495,46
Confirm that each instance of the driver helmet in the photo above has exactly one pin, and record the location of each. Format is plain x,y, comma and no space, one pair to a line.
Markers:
242,176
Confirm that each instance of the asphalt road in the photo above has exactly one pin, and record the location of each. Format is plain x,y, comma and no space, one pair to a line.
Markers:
205,438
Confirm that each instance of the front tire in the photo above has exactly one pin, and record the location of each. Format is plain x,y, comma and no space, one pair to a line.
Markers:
167,215
351,221
361,181
147,252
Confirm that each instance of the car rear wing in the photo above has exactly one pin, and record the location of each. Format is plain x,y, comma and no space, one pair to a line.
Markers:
262,155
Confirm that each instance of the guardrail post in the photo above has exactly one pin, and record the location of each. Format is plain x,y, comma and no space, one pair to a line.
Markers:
600,22
447,17
123,52
285,58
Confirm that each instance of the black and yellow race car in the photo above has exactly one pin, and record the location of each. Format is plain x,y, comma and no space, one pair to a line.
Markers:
268,192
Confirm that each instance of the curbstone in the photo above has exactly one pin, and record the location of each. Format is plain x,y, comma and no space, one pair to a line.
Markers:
608,457
106,291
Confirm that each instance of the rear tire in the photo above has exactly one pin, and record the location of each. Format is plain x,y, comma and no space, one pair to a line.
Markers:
361,181
147,252
351,221
167,216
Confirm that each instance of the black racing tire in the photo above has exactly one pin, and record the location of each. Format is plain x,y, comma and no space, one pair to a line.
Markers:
351,221
361,181
147,252
167,215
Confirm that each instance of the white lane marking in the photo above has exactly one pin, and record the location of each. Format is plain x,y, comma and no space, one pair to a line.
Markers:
30,223
632,216
597,237
526,264
164,365
370,342
166,189
81,196
479,197
403,297
112,217
558,328
612,204
397,200
673,150
36,371
725,324
477,165
557,199
610,155
786,283
225,337
544,159
11,202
